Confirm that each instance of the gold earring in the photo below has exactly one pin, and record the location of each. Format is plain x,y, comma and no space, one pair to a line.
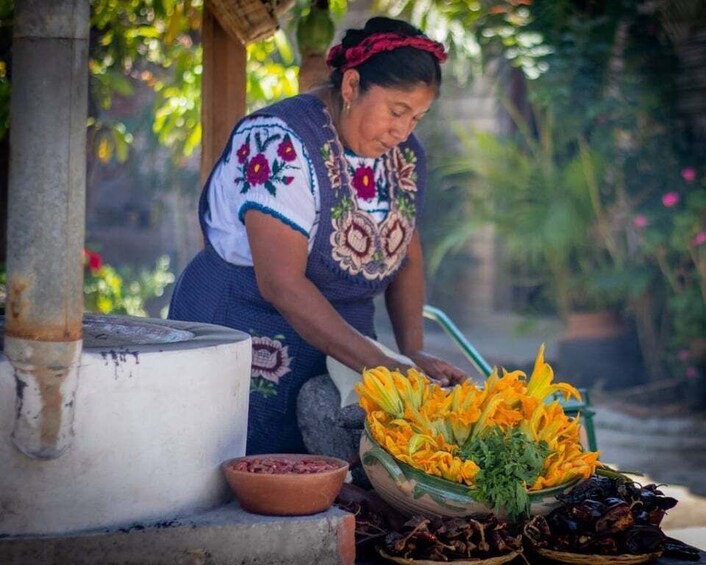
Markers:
347,108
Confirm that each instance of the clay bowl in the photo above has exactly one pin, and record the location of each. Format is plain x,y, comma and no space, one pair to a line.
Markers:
285,484
412,491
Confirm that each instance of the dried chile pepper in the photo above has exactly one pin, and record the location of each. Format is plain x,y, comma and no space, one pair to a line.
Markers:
472,537
605,516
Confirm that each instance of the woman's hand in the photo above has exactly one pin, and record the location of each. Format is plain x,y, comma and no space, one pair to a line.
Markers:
443,372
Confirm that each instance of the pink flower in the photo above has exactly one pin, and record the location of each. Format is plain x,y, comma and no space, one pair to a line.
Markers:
243,153
688,174
640,221
683,355
364,183
670,199
692,372
699,239
286,149
258,170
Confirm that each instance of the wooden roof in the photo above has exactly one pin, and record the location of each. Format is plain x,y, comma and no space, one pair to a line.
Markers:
248,20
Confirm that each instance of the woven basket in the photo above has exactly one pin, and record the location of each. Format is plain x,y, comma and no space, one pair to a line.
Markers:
499,560
248,20
588,559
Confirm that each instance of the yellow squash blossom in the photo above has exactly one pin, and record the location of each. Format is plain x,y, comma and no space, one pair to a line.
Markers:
425,426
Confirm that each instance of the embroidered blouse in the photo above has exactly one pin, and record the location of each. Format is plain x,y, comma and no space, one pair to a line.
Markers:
267,168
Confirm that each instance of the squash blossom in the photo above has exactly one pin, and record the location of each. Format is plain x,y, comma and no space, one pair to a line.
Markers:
427,427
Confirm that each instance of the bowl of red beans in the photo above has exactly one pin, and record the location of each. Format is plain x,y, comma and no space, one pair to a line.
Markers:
285,484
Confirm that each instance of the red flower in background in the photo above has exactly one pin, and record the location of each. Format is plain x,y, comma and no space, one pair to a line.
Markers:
92,260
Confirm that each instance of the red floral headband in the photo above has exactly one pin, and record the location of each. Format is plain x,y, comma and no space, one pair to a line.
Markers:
379,42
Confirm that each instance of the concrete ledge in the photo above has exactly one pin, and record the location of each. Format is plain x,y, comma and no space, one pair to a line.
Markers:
225,536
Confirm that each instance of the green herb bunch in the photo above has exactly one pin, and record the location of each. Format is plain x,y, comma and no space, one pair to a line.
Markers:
509,462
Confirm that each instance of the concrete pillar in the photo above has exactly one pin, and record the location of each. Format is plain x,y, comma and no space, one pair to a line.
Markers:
46,218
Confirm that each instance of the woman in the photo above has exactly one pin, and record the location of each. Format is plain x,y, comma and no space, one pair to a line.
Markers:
309,214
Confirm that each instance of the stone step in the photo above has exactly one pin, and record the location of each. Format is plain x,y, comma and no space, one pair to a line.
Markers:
225,536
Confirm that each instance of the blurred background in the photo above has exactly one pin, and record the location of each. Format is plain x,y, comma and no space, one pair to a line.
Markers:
567,172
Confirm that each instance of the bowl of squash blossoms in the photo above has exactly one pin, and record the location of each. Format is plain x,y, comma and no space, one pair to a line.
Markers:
505,447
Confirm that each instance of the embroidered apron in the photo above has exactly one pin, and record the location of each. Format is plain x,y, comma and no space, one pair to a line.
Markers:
352,260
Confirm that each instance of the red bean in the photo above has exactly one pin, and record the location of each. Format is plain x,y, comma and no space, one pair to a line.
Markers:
271,465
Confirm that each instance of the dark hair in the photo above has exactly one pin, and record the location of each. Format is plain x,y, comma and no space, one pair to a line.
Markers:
403,67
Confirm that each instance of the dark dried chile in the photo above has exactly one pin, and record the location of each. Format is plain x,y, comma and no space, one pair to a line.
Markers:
587,511
605,516
478,536
617,518
680,550
644,539
595,488
606,546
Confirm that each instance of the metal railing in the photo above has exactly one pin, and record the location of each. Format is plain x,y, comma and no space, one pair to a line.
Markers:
575,408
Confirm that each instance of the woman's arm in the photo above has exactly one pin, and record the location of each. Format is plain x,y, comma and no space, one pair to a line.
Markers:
405,299
279,256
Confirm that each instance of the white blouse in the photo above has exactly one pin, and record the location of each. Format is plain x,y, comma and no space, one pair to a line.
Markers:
267,168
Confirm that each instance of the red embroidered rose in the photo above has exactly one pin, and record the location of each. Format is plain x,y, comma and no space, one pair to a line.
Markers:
243,153
287,180
286,150
258,171
364,183
92,260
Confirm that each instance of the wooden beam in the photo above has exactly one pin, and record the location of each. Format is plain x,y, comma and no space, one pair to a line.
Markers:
223,89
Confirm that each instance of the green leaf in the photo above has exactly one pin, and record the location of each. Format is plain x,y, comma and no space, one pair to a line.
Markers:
271,188
509,462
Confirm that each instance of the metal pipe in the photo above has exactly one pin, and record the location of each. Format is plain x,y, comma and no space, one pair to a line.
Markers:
476,359
46,210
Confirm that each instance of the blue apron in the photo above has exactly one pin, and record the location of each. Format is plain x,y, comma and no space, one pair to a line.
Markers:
352,260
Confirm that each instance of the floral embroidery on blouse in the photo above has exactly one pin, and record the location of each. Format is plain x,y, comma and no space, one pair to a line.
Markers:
395,235
332,167
359,245
270,362
364,183
353,242
259,171
405,163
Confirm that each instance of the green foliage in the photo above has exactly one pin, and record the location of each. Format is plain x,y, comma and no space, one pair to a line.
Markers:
577,192
672,237
153,44
272,72
139,46
470,28
509,464
315,31
111,291
541,190
108,290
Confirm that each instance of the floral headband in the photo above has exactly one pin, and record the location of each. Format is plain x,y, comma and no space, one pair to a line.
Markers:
379,42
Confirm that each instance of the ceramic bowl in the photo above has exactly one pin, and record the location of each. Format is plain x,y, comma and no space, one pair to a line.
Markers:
412,491
289,493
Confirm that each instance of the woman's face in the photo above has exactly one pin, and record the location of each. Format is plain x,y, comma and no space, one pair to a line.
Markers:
380,117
